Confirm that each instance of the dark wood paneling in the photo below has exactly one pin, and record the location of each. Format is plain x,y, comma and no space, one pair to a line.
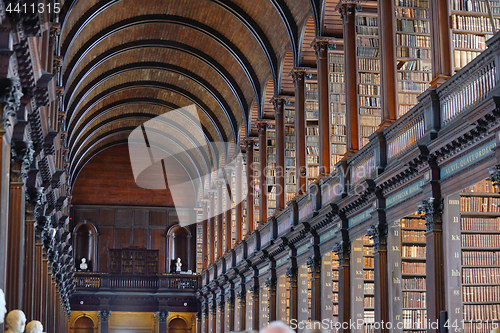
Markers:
108,180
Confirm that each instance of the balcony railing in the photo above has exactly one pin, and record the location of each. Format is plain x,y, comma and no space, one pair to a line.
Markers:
102,281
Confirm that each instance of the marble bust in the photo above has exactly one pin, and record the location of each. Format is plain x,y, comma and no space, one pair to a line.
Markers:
83,265
34,326
3,309
15,322
178,265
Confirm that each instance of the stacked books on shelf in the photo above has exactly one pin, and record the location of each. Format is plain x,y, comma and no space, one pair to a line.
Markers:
369,283
290,161
271,170
480,256
472,22
335,288
257,189
413,51
368,55
312,131
337,107
413,272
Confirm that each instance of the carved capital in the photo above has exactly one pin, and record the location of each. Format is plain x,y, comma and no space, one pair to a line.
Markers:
495,176
433,211
291,272
34,200
342,250
279,104
313,263
271,282
104,315
241,295
10,100
298,75
162,316
21,157
378,233
321,48
254,288
347,9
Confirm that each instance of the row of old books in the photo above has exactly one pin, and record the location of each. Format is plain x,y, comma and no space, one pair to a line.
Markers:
481,294
476,258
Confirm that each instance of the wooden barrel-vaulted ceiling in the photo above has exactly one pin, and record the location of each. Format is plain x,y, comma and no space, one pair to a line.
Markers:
128,61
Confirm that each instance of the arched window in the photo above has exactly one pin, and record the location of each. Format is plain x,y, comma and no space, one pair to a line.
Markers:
177,325
85,245
178,246
84,325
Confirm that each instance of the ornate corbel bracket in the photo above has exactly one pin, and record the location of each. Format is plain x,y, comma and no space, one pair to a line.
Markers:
433,210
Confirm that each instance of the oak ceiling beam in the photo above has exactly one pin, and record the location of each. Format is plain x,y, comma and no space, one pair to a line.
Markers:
158,43
226,43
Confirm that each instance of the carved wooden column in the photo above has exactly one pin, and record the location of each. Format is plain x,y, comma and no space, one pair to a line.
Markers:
433,210
387,62
211,203
241,298
343,252
347,11
250,183
321,49
279,116
21,157
34,196
104,320
378,232
213,316
442,52
300,128
254,290
206,326
221,319
271,284
39,276
10,94
239,198
292,276
314,264
230,307
262,126
162,316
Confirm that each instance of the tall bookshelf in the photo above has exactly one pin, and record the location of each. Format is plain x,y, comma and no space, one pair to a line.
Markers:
233,207
290,155
475,273
368,283
413,51
256,184
199,243
472,22
368,57
363,284
407,265
309,293
244,203
337,106
335,289
271,169
312,130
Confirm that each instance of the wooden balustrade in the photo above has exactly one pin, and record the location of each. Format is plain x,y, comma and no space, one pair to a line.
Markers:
99,281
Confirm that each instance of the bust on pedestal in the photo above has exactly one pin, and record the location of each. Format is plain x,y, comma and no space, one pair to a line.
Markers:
178,266
3,309
34,326
15,322
83,265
